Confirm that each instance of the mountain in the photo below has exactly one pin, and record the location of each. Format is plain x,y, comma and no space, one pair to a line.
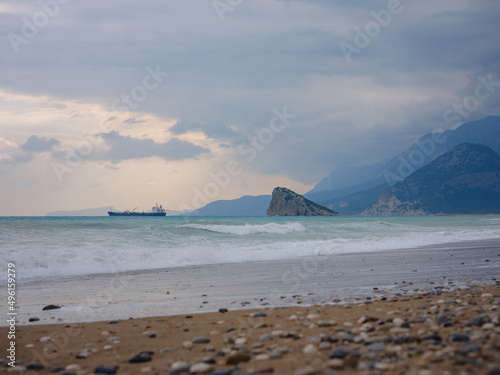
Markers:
427,148
343,177
244,206
464,180
285,202
350,190
100,211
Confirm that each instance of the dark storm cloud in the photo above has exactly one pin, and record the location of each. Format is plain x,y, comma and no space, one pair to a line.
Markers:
39,144
125,147
266,54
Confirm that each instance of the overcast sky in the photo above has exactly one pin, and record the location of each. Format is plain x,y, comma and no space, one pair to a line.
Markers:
181,102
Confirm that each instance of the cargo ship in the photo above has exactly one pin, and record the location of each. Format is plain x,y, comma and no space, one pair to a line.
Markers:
155,211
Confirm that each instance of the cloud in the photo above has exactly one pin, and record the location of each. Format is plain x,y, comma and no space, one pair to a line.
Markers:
132,120
212,130
39,144
126,147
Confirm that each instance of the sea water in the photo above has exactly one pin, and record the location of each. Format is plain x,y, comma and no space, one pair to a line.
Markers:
55,247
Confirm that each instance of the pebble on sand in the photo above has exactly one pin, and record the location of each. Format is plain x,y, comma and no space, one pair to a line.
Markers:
51,307
238,358
141,357
108,370
201,340
259,314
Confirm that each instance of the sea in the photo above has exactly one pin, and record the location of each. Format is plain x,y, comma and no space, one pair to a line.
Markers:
44,248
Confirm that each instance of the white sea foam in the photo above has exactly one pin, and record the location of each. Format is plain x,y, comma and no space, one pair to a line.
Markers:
250,228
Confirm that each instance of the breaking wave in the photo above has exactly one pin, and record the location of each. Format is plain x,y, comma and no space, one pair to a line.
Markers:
250,228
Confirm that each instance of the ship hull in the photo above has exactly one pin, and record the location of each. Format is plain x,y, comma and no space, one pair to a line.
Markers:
137,214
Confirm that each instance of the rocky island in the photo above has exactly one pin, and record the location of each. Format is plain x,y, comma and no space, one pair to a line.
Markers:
285,202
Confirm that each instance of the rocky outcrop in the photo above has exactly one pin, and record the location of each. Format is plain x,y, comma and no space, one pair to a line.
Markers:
464,180
285,202
389,205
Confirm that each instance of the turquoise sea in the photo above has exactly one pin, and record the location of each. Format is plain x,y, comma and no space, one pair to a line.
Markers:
56,247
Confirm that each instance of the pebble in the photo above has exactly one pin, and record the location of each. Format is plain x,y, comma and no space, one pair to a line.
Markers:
276,355
306,371
326,323
376,347
179,368
106,370
262,357
45,339
35,366
325,346
309,349
236,358
187,345
34,319
141,357
266,337
73,368
51,307
221,372
259,314
265,370
201,340
340,353
200,368
241,341
457,337
398,322
335,363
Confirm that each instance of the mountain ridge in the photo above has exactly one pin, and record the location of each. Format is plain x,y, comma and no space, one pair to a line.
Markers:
466,179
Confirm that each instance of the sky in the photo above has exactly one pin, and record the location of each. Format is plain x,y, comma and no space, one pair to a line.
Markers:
182,102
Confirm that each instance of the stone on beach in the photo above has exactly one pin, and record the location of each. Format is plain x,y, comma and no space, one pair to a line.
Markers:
236,358
201,340
110,370
51,307
141,357
259,314
200,368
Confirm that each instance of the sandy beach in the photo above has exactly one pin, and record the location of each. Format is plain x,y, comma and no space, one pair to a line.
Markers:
425,333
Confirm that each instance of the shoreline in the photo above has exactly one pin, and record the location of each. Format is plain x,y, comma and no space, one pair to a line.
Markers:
424,333
306,281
